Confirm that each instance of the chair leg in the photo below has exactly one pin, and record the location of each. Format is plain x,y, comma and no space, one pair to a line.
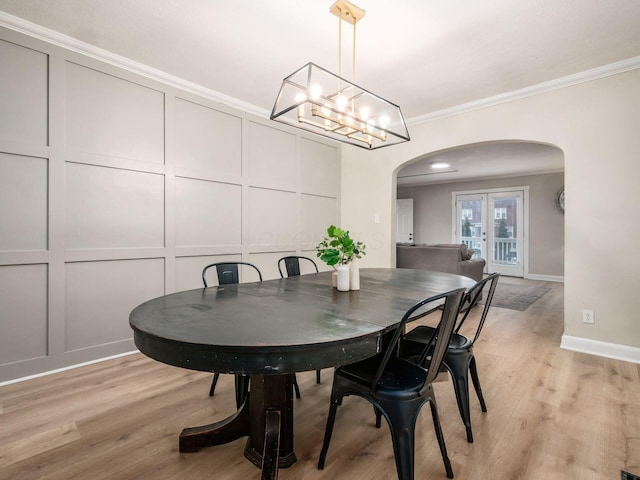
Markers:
317,376
295,386
459,368
242,389
328,431
476,383
212,390
440,437
378,413
402,426
271,449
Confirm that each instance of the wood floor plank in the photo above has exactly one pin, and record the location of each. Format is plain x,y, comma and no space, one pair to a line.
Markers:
552,414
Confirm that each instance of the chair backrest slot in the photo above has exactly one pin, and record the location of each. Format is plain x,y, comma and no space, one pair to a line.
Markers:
292,265
227,272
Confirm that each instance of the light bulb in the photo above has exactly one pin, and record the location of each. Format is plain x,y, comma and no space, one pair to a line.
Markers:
384,121
364,113
342,103
301,98
315,91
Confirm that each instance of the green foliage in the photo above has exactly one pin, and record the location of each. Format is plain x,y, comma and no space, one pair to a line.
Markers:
338,248
466,227
502,229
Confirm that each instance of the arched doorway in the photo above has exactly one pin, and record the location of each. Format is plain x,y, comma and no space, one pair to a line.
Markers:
490,167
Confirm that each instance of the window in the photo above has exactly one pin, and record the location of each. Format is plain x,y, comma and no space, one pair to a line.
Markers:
467,213
500,213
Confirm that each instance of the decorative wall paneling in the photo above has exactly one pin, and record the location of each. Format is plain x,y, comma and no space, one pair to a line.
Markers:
116,188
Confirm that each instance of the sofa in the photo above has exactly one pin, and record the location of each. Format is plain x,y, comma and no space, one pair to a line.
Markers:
448,258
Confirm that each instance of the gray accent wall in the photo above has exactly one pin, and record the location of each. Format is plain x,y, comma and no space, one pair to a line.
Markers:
116,188
432,216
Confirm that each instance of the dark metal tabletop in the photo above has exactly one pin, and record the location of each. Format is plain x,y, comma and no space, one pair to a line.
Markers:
283,325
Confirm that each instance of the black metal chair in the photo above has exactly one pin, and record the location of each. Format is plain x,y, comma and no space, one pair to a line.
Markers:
459,359
227,273
292,266
398,388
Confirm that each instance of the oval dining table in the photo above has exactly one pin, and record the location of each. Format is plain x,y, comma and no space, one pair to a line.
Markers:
269,330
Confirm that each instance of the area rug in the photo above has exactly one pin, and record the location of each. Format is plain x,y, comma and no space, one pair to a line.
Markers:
517,297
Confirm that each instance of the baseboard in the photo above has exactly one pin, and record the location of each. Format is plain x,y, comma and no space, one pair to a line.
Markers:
544,278
601,349
62,369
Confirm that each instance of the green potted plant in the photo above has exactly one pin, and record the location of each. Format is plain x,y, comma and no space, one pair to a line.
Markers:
338,250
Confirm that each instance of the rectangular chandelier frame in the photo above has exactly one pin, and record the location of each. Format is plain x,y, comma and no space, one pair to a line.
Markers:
317,100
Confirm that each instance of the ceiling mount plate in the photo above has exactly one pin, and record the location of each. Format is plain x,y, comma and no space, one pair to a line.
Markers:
347,11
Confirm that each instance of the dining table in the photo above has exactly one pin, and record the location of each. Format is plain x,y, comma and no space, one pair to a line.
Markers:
270,330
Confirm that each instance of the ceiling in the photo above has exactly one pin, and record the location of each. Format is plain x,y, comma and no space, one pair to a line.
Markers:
425,56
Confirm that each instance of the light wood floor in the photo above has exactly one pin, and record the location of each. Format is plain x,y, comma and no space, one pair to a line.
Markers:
553,414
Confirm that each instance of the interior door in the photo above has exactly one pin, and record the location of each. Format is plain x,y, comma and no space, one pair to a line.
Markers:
491,224
404,220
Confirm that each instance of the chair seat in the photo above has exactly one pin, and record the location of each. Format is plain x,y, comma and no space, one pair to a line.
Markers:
422,334
400,377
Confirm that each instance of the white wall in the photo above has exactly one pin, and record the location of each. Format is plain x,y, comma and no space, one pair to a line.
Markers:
595,124
116,188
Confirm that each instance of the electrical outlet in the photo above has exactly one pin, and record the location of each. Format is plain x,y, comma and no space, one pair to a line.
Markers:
588,317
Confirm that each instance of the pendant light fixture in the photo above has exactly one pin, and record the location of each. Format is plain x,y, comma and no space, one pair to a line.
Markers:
314,99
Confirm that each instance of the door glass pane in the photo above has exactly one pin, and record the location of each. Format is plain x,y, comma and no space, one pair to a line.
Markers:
470,227
505,230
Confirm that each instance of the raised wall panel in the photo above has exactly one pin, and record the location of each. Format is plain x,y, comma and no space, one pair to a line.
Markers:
112,208
106,115
114,189
319,168
318,213
272,217
23,203
23,312
189,270
207,139
101,295
207,213
23,96
276,163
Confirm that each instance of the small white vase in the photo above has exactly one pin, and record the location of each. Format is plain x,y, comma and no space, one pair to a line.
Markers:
354,276
343,278
334,279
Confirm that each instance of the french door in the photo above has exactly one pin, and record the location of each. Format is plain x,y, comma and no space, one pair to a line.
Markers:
491,224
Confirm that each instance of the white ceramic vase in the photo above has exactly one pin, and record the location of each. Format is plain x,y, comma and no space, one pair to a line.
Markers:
343,278
334,279
354,276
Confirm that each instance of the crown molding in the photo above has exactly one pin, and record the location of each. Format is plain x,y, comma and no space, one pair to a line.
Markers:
558,83
50,36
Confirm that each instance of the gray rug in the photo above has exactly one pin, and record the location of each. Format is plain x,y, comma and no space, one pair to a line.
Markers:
517,297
